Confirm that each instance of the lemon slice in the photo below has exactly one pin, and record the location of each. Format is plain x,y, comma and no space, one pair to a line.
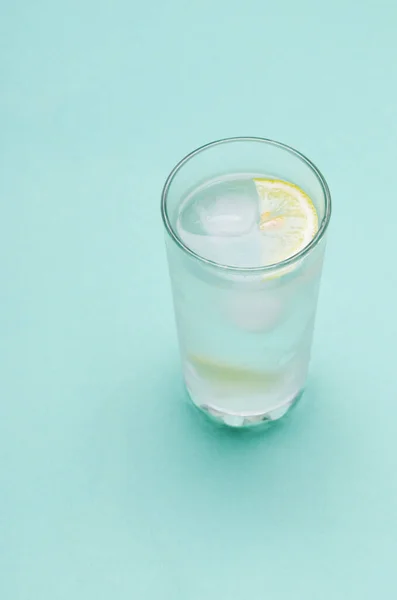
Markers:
288,219
220,373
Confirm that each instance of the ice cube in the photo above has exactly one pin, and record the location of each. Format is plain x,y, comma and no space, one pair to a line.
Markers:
255,311
232,215
223,208
223,250
219,222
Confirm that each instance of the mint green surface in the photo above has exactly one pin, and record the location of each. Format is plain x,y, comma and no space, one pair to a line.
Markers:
111,486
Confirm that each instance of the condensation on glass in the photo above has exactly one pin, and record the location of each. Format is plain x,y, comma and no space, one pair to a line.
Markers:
245,334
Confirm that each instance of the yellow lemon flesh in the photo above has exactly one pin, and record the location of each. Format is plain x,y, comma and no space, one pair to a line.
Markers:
288,219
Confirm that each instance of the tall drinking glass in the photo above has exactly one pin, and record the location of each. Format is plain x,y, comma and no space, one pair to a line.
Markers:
245,333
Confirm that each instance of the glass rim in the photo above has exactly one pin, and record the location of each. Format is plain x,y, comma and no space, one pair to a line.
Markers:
262,269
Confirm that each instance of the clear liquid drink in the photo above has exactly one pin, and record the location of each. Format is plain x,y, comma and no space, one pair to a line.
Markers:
246,221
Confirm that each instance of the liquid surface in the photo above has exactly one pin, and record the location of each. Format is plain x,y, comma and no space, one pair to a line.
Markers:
247,221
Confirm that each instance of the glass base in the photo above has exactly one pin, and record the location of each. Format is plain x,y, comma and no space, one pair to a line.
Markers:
244,420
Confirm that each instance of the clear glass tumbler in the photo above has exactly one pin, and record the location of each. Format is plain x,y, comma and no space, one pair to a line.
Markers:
245,334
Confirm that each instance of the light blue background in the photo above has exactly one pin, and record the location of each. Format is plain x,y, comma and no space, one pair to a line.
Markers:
111,486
